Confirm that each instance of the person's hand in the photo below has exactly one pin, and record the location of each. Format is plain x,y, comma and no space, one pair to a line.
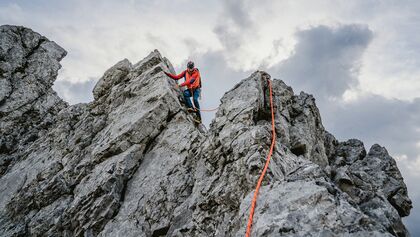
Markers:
176,86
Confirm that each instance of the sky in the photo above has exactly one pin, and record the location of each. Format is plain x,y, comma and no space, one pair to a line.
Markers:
360,59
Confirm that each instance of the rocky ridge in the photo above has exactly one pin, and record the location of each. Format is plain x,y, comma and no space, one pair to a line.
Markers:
132,163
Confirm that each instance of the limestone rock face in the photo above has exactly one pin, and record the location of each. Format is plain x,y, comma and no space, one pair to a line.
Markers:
28,106
133,163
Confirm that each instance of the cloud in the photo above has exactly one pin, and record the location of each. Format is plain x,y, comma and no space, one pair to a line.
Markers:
75,92
376,119
233,24
97,35
11,13
326,60
238,31
238,12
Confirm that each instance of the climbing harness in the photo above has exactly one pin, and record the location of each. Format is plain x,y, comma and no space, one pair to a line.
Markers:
273,141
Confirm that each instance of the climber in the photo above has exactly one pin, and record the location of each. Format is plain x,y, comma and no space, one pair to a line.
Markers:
193,83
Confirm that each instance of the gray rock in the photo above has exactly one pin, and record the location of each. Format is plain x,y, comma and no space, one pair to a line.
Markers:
376,185
132,162
28,106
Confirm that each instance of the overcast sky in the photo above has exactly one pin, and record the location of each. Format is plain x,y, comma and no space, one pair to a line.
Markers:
360,58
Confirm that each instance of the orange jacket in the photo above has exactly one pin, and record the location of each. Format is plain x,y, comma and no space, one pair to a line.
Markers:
192,80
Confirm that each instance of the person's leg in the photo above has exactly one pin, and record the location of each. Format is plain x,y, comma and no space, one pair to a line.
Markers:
197,105
187,96
195,97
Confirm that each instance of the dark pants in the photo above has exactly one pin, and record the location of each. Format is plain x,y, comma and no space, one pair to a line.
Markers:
196,94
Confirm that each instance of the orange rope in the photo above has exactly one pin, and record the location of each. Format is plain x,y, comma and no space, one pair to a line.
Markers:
207,110
273,141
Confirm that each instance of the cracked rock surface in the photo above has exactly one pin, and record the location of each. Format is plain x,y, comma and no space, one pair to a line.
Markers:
132,163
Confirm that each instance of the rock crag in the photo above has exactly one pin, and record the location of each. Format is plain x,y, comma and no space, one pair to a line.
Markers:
132,163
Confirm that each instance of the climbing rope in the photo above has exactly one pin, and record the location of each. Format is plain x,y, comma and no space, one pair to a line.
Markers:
207,110
273,141
204,110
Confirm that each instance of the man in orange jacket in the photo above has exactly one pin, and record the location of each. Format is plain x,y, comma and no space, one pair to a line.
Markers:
193,83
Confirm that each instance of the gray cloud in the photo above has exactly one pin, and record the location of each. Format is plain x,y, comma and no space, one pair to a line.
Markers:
237,11
325,61
79,92
377,119
233,24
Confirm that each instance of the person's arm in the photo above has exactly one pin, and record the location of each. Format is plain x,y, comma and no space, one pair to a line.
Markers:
175,77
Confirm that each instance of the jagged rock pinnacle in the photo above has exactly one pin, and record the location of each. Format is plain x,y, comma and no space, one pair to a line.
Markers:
132,162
